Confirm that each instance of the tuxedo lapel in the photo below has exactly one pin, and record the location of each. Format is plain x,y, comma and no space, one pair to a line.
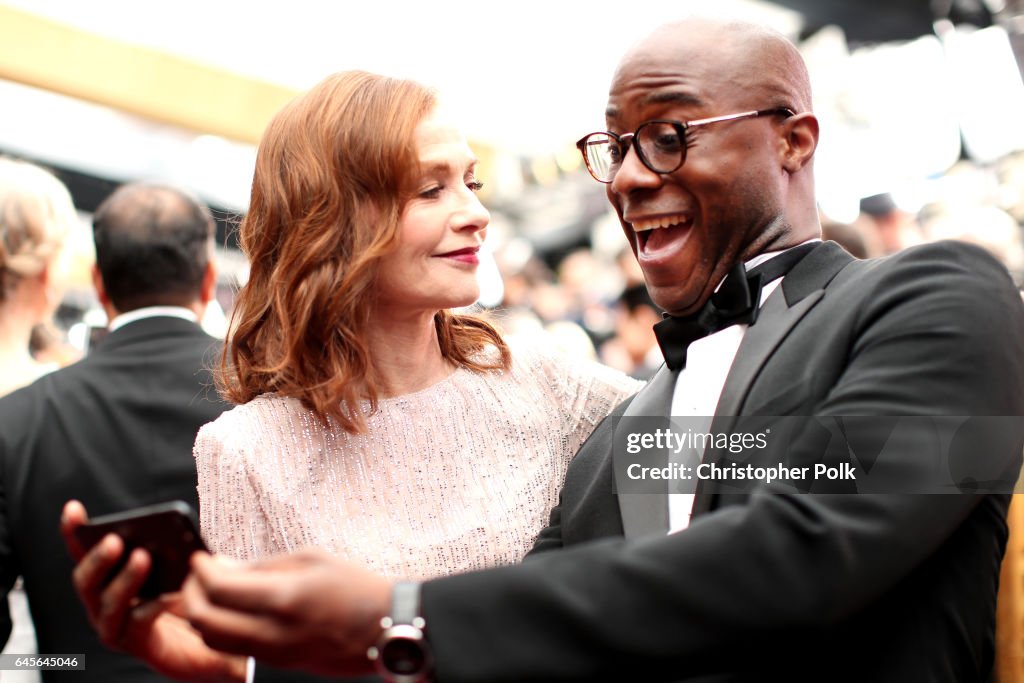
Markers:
799,292
646,513
775,321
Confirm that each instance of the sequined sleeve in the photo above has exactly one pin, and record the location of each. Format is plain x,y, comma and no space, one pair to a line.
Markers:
584,391
229,514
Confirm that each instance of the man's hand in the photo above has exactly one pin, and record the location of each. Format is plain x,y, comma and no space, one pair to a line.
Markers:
152,631
307,611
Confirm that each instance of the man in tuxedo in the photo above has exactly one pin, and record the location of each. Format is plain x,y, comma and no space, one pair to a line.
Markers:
708,164
115,429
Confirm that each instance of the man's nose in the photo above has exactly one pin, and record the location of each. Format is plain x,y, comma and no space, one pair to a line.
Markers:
632,173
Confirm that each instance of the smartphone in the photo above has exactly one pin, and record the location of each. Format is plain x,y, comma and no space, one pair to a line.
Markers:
168,531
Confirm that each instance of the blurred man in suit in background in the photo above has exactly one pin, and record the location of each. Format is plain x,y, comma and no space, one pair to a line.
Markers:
115,429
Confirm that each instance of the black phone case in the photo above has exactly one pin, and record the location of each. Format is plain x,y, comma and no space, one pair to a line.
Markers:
168,531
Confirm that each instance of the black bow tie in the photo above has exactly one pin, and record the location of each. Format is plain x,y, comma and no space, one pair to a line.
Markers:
735,302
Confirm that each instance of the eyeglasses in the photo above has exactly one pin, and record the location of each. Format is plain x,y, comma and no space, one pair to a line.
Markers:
661,145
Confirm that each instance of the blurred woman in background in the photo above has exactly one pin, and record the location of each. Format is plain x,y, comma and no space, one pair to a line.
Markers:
36,215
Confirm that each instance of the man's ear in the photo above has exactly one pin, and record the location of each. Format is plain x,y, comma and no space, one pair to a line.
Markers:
209,290
801,139
97,283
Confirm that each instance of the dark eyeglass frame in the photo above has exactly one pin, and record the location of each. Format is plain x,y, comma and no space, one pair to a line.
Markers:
626,140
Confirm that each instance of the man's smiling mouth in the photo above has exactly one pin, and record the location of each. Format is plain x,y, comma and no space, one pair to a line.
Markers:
655,232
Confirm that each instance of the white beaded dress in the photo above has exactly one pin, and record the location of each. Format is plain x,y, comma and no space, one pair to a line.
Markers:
458,476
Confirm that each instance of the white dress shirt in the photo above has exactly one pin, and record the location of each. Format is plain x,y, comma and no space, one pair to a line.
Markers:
699,385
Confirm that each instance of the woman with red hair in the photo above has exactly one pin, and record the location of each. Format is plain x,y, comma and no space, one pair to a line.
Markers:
374,421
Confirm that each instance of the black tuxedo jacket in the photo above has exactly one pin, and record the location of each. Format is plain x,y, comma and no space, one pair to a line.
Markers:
795,587
114,430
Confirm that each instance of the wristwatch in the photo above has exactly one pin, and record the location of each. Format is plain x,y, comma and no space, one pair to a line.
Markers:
402,654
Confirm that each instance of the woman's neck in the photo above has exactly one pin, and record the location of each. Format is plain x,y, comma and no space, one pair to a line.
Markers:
17,366
405,352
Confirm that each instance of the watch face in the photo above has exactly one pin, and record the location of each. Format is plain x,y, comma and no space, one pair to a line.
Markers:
403,656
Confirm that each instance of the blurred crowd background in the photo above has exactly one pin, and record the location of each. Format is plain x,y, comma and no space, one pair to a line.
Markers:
921,106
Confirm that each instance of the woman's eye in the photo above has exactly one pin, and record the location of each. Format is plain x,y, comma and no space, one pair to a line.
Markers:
475,185
432,192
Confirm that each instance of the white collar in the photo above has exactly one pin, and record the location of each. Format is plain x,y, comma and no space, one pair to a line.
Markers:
152,312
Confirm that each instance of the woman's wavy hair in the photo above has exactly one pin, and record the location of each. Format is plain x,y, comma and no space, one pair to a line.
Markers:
333,172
